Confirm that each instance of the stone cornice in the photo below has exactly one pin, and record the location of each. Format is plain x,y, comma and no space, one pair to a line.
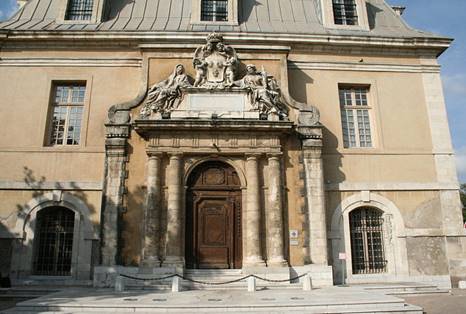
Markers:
437,44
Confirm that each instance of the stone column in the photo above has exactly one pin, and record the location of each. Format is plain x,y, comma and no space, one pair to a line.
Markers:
174,251
315,200
275,256
113,192
253,214
150,249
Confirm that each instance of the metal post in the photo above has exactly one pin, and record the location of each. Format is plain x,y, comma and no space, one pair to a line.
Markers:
343,266
251,284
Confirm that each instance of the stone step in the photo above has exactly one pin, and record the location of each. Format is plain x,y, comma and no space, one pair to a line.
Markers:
410,309
328,300
405,289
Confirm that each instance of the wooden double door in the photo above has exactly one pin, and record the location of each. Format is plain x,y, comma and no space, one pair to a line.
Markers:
213,218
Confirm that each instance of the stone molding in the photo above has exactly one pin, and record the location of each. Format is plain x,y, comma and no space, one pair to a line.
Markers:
433,45
364,67
51,185
391,186
71,62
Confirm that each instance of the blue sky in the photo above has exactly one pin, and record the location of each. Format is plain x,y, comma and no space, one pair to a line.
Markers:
441,17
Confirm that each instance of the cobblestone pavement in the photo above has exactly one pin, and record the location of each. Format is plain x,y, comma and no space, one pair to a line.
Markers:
454,303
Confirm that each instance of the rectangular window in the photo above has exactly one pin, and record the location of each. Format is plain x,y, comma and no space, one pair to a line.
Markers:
344,12
355,117
67,111
214,10
80,10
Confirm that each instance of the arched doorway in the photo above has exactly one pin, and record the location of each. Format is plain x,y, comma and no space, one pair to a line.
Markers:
54,241
213,217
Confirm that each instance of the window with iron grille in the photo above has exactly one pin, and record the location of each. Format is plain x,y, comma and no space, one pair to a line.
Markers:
344,12
67,111
355,117
54,242
214,10
79,10
367,249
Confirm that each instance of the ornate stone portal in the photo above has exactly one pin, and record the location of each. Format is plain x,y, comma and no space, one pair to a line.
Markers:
219,118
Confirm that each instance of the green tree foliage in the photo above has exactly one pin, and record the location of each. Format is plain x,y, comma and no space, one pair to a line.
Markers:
463,199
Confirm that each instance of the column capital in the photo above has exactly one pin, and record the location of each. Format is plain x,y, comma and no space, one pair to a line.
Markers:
277,155
175,155
254,156
152,154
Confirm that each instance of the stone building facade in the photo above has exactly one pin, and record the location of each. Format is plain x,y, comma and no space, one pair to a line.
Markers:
280,137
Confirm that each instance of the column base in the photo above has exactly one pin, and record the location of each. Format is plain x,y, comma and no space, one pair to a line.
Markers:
151,261
254,261
277,262
173,261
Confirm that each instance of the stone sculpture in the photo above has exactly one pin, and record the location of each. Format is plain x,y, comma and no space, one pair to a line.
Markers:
216,66
264,93
215,63
166,95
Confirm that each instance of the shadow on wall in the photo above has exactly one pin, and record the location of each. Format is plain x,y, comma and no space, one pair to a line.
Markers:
6,239
21,246
372,11
113,8
245,9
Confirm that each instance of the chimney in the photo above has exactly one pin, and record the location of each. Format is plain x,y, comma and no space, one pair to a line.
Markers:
21,3
398,9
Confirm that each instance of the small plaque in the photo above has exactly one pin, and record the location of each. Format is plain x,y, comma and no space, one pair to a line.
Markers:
217,103
294,242
342,256
294,234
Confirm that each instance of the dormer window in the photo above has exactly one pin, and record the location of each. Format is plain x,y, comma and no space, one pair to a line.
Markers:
214,10
345,12
80,10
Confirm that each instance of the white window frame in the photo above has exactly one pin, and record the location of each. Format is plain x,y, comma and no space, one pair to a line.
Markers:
97,11
328,18
355,108
196,14
69,104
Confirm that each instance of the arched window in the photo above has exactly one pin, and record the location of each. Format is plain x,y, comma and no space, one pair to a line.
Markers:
367,249
54,242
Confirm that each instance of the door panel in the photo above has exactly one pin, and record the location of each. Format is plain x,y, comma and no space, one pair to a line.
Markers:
213,218
214,234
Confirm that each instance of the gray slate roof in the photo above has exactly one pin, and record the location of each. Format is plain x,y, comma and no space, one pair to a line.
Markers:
255,16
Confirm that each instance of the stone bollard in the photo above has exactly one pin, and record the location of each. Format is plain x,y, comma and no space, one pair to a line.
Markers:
119,284
307,283
251,284
176,286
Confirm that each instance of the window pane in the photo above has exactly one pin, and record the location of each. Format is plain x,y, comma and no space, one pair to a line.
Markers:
344,12
355,122
214,10
67,114
79,10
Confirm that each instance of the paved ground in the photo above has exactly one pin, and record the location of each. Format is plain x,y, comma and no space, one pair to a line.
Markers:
455,303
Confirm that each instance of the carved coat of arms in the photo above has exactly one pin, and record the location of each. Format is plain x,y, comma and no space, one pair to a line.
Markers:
215,63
